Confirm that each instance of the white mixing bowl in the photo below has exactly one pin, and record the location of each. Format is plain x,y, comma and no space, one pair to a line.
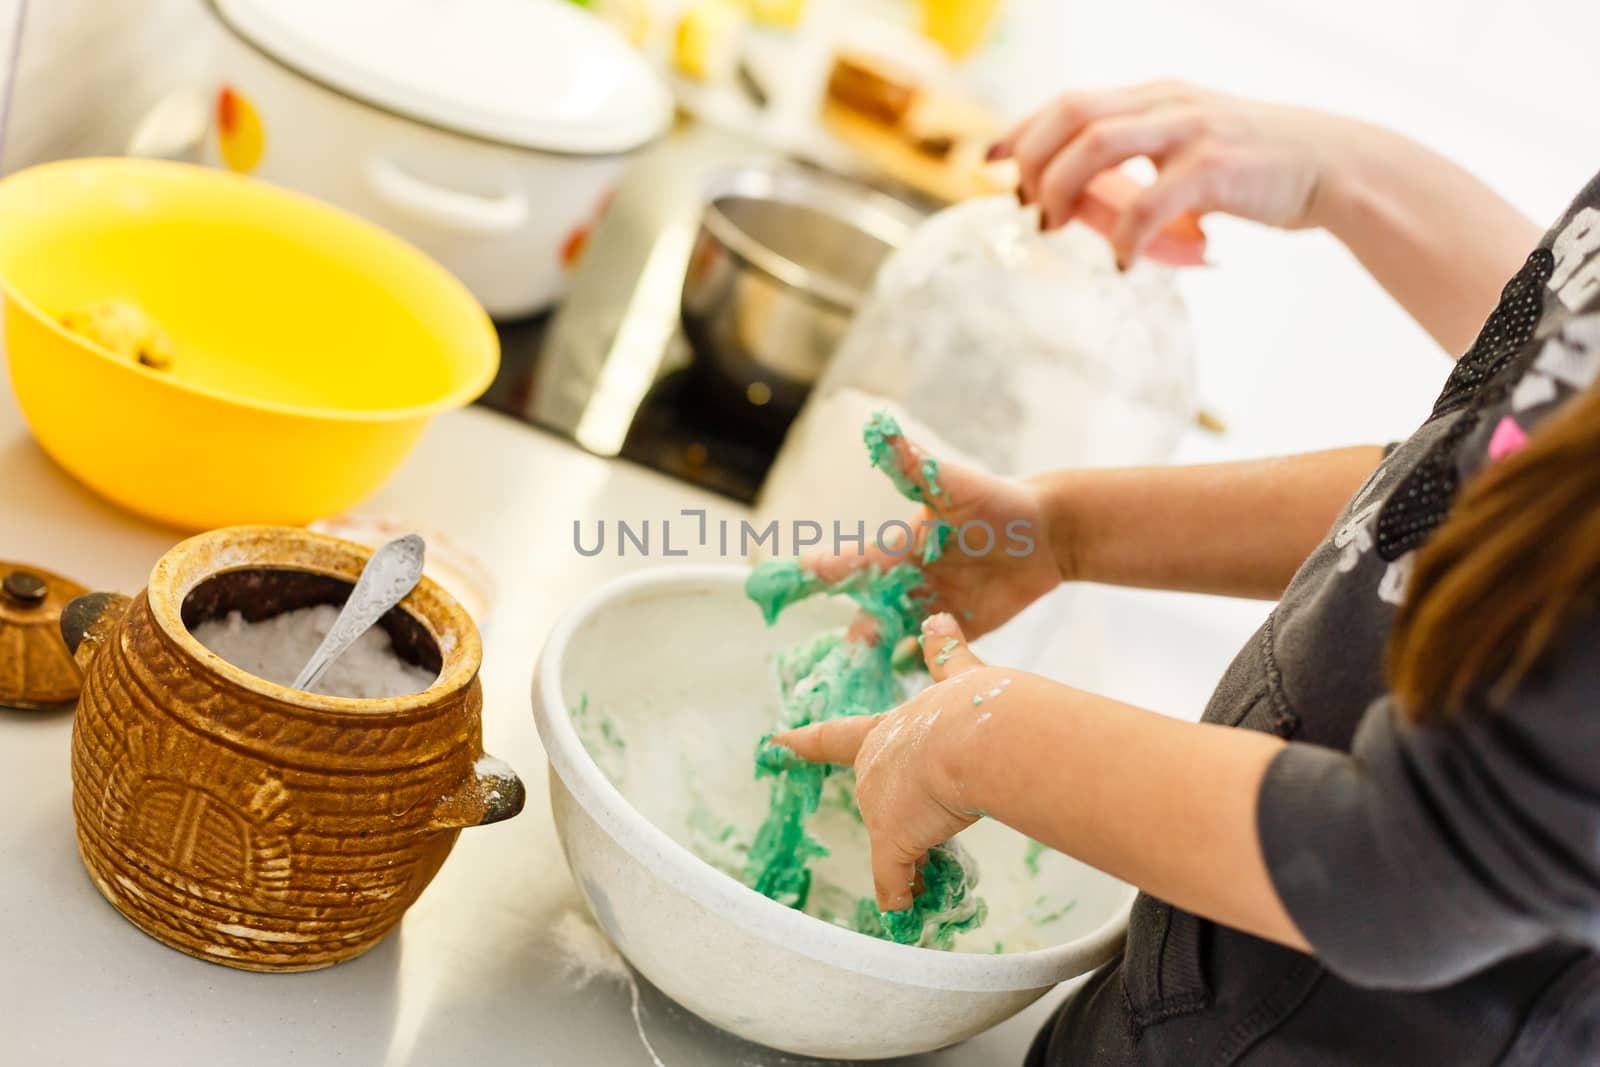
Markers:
650,697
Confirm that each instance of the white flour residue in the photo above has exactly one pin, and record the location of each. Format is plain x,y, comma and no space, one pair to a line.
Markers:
588,955
990,695
489,767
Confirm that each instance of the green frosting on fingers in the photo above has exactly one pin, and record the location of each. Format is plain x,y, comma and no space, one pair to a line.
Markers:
938,539
930,474
892,596
944,908
777,584
880,434
832,676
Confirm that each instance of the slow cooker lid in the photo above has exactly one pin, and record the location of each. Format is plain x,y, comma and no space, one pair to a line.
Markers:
540,74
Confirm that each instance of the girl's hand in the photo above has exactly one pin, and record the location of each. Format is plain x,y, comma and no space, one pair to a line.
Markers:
909,762
1092,778
1001,554
1213,152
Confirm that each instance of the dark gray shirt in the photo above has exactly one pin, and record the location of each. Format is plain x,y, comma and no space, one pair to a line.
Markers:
1426,853
1447,876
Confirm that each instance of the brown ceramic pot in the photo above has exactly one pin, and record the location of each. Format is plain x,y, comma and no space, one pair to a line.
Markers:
251,824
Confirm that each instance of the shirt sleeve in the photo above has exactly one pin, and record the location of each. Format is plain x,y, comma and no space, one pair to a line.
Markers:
1431,852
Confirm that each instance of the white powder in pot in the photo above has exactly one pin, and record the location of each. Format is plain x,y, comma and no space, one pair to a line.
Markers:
276,649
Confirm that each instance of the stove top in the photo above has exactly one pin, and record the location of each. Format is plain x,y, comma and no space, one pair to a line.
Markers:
677,427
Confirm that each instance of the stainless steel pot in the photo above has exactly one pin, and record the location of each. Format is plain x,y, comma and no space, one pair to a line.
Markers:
783,258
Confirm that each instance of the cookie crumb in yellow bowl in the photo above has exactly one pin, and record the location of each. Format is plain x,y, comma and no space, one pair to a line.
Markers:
123,328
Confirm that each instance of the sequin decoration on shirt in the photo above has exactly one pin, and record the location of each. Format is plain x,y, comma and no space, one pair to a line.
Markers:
1507,330
1423,499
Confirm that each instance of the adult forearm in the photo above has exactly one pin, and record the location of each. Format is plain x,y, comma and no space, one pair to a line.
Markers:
1440,241
1236,529
1166,805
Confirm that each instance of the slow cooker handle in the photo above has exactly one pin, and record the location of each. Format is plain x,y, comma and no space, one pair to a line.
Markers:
174,128
450,209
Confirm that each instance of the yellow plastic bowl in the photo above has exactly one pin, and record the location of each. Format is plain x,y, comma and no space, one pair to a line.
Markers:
311,347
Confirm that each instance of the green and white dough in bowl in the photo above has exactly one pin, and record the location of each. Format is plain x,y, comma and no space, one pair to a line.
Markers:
649,697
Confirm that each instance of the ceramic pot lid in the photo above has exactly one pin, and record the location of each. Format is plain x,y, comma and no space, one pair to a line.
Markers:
36,670
539,74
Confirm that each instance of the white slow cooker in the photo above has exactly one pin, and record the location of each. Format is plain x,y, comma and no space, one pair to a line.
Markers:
486,132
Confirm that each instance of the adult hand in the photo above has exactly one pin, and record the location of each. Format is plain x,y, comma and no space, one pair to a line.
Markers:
1213,152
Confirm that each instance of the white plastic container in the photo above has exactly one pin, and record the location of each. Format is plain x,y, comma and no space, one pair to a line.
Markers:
486,132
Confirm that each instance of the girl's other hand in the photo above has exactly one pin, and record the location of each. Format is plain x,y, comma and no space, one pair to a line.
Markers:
908,762
1212,152
1001,555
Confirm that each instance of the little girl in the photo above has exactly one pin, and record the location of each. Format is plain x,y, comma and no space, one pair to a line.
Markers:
1397,859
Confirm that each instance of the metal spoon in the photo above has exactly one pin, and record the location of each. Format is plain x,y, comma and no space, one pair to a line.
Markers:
391,573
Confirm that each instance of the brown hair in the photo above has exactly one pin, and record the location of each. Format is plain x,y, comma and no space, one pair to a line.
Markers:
1518,556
